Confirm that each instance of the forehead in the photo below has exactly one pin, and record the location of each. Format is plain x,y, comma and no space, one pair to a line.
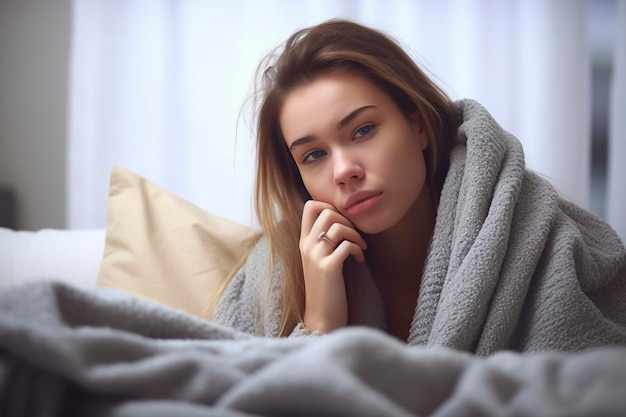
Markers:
325,100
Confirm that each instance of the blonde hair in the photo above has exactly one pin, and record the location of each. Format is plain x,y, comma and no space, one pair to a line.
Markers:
335,45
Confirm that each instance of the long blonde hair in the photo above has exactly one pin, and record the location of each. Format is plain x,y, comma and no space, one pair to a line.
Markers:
335,45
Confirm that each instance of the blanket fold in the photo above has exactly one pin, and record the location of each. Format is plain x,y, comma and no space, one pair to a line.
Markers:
70,351
512,265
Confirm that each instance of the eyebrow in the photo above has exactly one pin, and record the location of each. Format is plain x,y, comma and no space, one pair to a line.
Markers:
342,123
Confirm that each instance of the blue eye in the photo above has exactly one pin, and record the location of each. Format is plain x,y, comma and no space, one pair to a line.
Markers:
363,130
313,156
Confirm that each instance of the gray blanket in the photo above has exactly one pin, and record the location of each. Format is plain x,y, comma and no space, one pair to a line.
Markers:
66,351
512,265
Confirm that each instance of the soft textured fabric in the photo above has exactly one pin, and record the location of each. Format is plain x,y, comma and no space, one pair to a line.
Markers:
512,264
71,255
67,351
165,249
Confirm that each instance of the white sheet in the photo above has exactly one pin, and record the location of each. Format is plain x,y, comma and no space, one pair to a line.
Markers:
69,255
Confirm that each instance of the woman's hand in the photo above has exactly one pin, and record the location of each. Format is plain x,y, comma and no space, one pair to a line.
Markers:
326,305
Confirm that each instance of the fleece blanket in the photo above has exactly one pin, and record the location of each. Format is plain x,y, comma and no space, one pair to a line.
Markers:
512,264
66,351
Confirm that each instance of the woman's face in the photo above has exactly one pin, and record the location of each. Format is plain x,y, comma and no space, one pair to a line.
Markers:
355,149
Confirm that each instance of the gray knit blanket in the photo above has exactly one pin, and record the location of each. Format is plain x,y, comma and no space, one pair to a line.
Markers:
512,264
66,351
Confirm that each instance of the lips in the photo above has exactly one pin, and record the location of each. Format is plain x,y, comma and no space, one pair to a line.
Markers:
359,198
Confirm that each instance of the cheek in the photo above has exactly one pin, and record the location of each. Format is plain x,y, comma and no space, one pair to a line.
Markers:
409,167
313,185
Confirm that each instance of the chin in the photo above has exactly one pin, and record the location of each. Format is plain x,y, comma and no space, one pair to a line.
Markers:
380,222
372,227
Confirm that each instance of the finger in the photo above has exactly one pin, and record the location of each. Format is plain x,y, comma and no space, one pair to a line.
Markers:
347,248
338,232
328,217
319,216
310,213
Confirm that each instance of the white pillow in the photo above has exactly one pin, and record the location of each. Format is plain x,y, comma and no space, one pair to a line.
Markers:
73,256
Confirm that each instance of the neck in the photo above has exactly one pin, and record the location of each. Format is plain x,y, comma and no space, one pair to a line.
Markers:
396,260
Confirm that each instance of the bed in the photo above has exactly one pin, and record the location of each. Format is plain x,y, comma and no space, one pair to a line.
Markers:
74,342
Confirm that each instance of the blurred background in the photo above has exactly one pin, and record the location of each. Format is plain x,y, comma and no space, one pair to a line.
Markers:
161,87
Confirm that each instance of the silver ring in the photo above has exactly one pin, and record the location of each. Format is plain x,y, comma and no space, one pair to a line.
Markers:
322,236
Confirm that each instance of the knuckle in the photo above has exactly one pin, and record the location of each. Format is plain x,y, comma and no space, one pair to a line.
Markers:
309,204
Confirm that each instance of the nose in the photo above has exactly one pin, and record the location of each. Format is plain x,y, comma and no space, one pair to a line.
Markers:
346,168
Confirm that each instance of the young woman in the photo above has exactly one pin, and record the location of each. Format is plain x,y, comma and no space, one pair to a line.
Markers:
384,203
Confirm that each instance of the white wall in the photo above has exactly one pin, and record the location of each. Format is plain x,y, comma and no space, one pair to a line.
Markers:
34,50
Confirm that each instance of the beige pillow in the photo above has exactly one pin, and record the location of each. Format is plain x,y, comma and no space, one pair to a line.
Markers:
163,248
